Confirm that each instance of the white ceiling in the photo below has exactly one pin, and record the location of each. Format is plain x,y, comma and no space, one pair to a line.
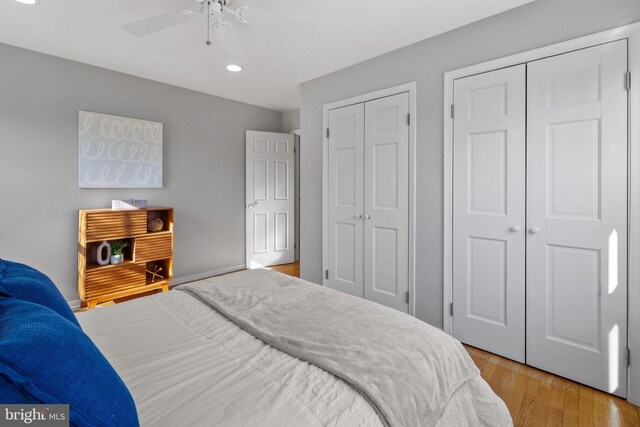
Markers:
348,32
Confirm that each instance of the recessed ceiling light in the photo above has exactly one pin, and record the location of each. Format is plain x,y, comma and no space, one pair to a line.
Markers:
234,68
31,2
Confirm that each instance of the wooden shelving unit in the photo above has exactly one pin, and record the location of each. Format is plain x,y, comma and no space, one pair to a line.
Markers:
147,251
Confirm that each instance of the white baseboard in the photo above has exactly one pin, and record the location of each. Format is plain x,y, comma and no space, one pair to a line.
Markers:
206,274
184,279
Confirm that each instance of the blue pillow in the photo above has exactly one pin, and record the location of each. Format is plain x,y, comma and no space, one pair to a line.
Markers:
47,359
26,283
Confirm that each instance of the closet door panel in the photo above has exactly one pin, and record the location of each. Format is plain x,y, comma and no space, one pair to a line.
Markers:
345,199
489,212
577,216
386,201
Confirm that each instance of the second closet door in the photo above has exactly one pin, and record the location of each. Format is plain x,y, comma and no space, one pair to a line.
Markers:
577,216
368,201
386,201
345,200
489,212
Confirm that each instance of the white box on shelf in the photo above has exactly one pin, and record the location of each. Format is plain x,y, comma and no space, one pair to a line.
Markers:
128,204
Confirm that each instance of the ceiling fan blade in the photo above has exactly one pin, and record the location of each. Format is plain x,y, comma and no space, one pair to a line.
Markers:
147,26
271,20
230,43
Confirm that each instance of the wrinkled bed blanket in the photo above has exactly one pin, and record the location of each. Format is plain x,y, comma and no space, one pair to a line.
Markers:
407,370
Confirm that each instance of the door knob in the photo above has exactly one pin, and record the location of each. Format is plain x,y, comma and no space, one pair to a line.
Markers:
535,230
251,205
368,216
515,228
359,216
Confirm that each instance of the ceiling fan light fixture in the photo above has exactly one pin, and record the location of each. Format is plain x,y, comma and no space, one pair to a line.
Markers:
29,2
221,25
234,68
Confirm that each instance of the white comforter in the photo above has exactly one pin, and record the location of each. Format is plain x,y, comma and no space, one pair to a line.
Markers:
187,365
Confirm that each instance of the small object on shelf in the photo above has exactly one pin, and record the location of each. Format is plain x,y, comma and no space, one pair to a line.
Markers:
100,259
117,251
155,224
155,273
128,204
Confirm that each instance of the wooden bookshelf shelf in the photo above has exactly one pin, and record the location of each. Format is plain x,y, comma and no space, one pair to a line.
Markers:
147,251
96,266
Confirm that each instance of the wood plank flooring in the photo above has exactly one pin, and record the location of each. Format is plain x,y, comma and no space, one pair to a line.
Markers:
290,269
538,398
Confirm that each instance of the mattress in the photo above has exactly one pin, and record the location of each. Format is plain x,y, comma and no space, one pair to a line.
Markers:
186,364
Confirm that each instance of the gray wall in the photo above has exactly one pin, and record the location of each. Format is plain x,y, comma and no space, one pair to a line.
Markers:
40,96
537,24
291,120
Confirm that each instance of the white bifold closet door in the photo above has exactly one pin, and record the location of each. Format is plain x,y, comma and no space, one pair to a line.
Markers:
570,255
577,216
368,200
346,200
386,201
489,212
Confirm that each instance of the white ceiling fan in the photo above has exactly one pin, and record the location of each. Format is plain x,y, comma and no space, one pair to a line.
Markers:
217,13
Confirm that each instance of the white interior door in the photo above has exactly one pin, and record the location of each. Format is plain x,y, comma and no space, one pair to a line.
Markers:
345,200
489,212
386,201
577,216
269,199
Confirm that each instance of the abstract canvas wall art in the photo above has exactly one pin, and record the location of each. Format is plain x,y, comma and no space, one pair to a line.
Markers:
118,152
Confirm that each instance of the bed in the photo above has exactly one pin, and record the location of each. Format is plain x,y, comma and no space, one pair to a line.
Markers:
258,348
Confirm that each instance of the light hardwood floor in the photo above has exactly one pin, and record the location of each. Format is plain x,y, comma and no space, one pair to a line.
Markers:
537,398
290,269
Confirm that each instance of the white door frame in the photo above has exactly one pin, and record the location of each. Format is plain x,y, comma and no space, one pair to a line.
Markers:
411,89
296,150
632,34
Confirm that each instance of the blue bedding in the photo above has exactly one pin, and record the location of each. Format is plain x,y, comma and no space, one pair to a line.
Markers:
26,283
45,358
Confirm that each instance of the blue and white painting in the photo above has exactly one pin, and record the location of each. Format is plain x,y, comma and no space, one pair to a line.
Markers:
118,152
